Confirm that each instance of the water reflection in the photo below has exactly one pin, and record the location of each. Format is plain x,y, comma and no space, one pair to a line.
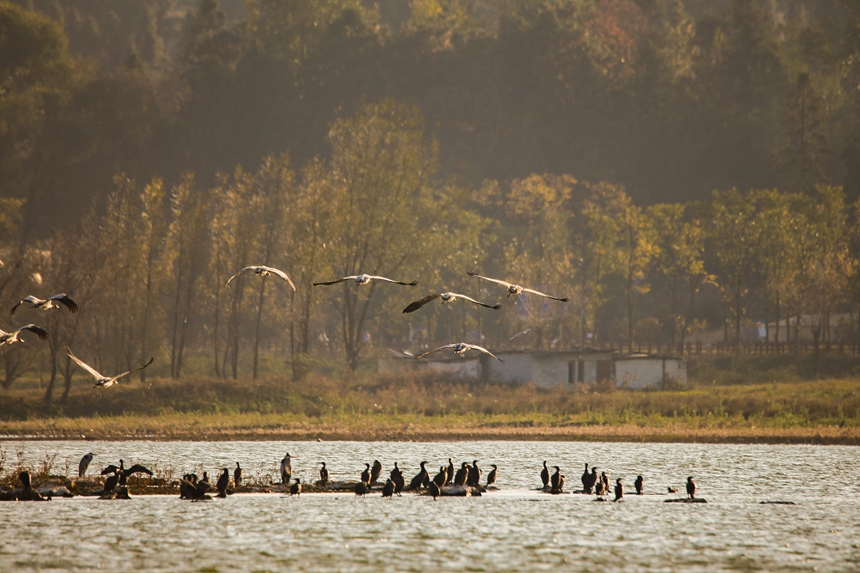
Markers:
514,529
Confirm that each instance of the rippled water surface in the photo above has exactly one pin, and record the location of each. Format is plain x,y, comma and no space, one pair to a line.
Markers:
513,529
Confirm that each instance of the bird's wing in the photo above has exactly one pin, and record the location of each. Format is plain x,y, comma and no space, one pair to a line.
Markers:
503,283
413,283
485,351
239,273
84,365
281,274
109,470
63,299
29,298
436,350
562,299
118,376
137,469
335,281
470,299
413,306
35,329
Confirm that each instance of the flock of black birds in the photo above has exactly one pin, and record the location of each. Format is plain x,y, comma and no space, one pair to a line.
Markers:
450,480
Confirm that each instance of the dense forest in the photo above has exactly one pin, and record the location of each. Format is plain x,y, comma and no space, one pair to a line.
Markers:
668,165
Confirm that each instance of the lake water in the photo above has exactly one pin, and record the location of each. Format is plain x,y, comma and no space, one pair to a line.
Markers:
513,529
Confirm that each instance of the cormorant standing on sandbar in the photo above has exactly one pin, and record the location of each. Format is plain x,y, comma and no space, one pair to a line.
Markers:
462,474
361,488
474,475
222,483
395,473
375,471
26,482
556,480
399,484
586,480
639,484
450,472
544,475
434,490
418,481
365,475
323,475
592,479
601,488
619,490
491,477
441,478
605,479
237,476
388,488
691,487
296,488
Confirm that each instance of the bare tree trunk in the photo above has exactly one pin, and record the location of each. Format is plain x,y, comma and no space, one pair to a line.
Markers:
257,326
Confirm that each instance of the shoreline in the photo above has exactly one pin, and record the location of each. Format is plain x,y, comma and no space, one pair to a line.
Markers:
675,433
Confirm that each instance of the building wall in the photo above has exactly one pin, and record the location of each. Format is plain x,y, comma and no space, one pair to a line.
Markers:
517,368
464,368
641,372
550,371
676,370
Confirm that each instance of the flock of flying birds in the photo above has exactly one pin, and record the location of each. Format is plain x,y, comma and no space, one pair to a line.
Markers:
102,381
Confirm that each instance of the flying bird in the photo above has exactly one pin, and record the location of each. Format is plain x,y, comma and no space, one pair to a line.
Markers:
446,297
520,333
516,289
103,381
48,303
263,271
460,348
12,337
363,280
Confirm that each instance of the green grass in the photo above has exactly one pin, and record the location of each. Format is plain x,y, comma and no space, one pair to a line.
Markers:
726,400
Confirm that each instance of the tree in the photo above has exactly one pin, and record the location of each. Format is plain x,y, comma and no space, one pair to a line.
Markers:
733,234
805,145
678,259
637,248
385,207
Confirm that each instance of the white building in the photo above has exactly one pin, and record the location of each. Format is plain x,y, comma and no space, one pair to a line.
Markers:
553,369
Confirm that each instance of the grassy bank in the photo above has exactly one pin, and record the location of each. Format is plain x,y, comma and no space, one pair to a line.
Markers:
723,402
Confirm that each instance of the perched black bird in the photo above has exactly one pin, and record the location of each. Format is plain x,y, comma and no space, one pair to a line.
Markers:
237,476
399,484
474,475
462,474
388,488
124,473
223,482
586,481
395,473
419,480
361,488
442,477
639,484
323,475
592,479
601,487
544,475
296,488
26,483
619,490
111,482
450,471
434,490
605,479
691,487
195,490
556,480
365,475
491,477
375,471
